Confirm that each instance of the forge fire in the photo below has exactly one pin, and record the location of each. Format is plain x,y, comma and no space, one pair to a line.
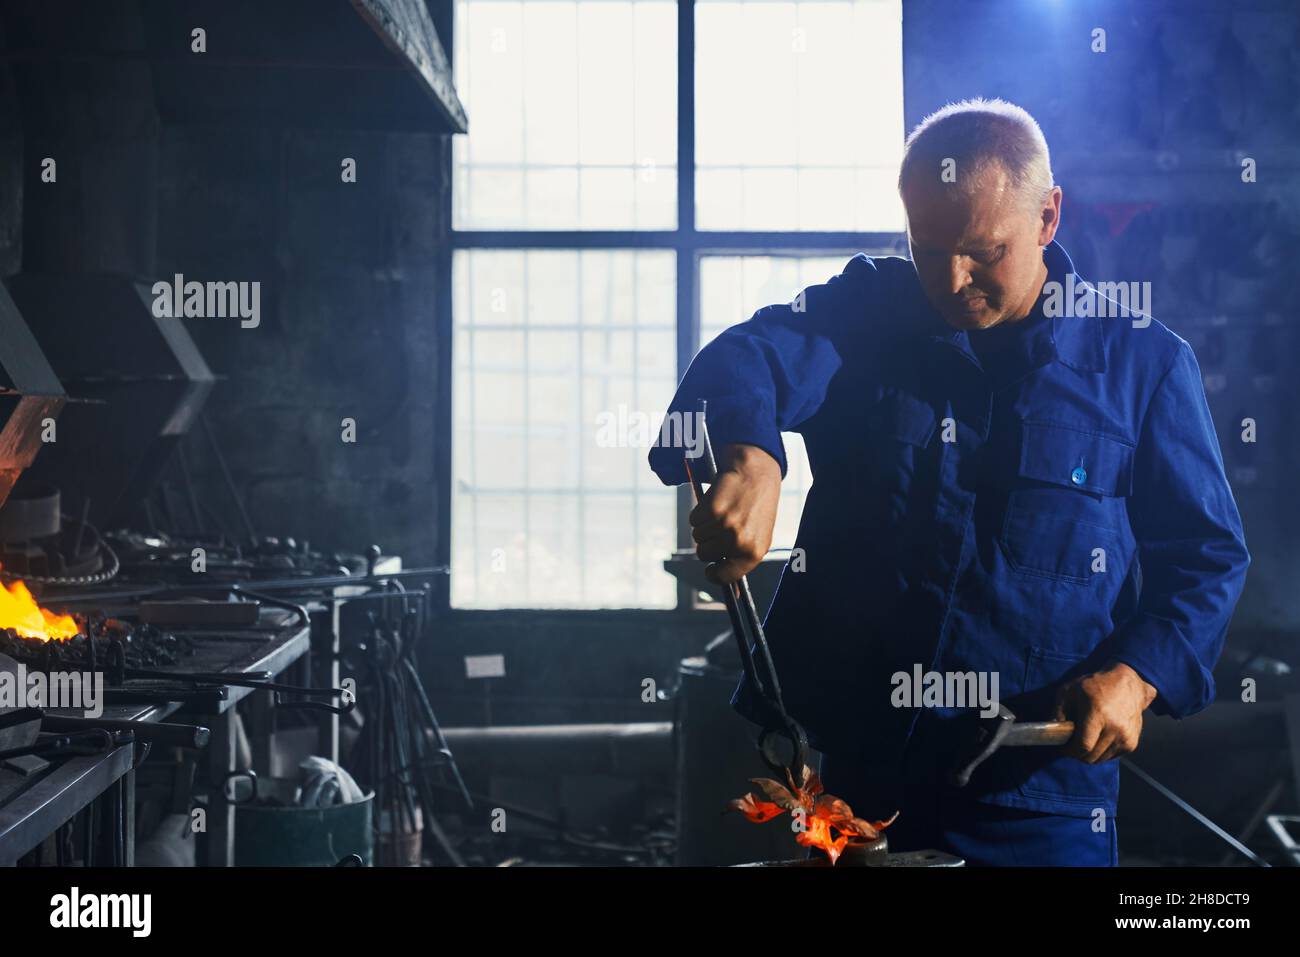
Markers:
20,613
820,820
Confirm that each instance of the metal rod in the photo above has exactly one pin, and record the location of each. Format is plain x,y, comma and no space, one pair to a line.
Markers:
1195,814
191,498
225,475
81,529
271,584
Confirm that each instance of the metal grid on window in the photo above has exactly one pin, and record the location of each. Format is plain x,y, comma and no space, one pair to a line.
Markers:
552,503
574,115
799,114
563,321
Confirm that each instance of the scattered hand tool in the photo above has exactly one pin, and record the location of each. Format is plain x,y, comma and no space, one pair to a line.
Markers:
162,733
79,743
1004,731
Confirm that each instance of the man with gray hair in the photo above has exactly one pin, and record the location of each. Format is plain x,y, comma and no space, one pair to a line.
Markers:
999,489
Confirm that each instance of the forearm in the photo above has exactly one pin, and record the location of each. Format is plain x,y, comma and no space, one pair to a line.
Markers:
750,459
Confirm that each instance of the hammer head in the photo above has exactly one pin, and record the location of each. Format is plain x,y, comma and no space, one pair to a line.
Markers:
987,739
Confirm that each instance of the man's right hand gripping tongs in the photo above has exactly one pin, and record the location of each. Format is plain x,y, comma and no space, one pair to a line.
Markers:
740,609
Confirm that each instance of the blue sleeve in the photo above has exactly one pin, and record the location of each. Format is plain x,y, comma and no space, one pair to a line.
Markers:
1191,547
769,374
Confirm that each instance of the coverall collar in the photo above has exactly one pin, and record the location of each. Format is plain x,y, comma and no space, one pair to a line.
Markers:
1069,340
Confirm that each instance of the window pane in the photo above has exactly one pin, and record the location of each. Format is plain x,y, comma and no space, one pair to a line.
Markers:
799,114
565,362
572,114
733,288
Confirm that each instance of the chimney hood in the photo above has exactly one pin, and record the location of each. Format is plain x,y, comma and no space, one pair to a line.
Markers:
143,377
353,64
31,396
327,64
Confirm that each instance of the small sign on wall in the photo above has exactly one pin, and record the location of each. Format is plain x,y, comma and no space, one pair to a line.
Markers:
485,666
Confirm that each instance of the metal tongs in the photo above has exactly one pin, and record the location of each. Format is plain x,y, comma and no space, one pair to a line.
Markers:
777,721
77,743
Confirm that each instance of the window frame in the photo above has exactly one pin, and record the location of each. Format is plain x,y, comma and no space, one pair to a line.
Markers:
689,245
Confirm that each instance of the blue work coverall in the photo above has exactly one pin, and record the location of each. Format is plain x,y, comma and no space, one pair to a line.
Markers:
1040,505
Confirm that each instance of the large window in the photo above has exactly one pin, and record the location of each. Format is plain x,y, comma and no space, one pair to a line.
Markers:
639,175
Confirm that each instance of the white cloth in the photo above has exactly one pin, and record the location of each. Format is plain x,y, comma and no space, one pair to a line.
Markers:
325,783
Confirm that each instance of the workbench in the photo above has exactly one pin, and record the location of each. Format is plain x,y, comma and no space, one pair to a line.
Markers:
57,794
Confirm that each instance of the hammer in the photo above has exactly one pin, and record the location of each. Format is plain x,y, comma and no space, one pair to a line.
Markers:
1004,731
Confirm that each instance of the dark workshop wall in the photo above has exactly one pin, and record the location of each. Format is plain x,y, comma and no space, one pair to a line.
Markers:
11,175
562,667
349,285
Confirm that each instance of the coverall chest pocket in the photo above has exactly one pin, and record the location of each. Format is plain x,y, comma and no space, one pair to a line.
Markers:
1066,512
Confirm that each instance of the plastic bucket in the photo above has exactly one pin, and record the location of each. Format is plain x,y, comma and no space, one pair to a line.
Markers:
284,835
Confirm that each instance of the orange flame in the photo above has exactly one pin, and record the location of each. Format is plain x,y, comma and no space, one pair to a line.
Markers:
827,821
19,611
